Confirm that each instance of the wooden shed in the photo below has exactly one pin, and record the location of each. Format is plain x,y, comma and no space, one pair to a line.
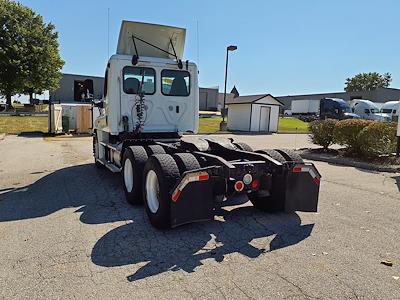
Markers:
256,113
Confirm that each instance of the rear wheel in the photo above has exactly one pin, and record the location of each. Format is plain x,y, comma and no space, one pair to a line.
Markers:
243,146
270,201
160,174
290,155
133,162
186,162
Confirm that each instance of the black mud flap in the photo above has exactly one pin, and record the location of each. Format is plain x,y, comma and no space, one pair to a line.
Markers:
194,203
302,188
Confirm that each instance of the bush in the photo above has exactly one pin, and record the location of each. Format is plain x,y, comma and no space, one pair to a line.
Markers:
322,132
346,132
377,139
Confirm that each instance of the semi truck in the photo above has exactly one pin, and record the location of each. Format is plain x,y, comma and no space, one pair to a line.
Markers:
332,108
151,98
392,108
368,110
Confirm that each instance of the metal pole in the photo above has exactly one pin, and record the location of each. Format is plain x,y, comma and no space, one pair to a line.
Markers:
226,75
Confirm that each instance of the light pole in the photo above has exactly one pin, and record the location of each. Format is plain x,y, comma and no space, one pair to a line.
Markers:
229,48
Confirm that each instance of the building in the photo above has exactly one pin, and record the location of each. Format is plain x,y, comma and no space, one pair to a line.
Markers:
208,99
256,113
78,88
379,95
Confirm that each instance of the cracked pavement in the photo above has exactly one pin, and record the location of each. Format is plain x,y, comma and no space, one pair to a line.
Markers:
67,232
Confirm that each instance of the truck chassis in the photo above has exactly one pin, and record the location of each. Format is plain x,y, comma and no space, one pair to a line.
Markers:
183,180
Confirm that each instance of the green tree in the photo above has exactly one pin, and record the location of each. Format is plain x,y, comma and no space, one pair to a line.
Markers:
367,82
29,57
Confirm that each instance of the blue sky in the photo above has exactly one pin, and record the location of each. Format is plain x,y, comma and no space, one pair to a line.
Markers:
284,47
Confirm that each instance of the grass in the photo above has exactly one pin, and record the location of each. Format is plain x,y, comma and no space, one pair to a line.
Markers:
23,124
17,125
286,125
292,125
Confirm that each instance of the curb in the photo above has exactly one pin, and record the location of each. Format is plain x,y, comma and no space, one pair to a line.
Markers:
350,163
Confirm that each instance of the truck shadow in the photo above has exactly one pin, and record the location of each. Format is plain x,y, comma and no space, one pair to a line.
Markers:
97,196
243,230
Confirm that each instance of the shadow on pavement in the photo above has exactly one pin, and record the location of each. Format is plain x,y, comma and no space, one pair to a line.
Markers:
97,196
184,248
96,193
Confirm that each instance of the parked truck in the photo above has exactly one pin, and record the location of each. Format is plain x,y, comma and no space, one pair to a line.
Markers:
368,110
151,97
392,108
333,108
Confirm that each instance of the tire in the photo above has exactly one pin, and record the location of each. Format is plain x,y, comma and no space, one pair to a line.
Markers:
133,162
154,149
160,175
290,155
186,162
272,202
96,163
243,147
273,154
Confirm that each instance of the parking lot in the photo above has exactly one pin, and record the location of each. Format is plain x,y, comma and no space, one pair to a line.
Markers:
67,232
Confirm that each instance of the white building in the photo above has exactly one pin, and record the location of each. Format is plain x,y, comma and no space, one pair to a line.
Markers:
256,113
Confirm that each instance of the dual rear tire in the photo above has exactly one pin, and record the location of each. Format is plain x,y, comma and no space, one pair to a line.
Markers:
149,176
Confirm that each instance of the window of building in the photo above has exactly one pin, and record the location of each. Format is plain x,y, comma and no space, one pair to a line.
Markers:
135,76
175,83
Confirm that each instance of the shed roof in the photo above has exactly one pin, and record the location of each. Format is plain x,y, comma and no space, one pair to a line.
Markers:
267,98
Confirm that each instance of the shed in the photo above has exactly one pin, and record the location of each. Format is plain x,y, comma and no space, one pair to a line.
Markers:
256,113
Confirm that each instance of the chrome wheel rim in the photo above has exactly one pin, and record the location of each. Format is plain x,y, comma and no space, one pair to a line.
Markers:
152,191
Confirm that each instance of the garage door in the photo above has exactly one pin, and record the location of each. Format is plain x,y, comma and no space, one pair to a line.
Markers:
264,118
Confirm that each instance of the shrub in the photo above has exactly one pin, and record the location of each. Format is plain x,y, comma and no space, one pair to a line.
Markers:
377,138
346,132
322,132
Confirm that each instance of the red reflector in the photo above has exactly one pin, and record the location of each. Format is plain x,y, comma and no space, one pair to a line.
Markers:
317,180
203,177
239,186
176,195
296,170
255,184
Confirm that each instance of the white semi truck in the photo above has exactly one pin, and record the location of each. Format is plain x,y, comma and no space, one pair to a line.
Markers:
151,97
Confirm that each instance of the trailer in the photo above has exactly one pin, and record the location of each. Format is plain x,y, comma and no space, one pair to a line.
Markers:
151,97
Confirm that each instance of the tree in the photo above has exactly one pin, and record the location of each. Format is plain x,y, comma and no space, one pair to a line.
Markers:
29,57
367,82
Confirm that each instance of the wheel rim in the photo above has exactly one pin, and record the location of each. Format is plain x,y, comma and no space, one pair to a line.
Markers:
152,191
128,175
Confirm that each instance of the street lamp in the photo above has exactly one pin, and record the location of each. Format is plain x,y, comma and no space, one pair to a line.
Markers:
229,48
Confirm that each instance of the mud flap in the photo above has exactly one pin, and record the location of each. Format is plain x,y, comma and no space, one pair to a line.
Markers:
193,203
302,188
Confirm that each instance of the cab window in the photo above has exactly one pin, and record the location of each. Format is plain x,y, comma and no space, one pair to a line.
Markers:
175,83
137,79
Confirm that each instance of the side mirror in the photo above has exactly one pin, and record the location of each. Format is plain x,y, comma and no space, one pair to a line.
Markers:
99,104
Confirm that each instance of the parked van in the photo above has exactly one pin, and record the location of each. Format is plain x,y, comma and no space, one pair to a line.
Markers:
368,110
392,108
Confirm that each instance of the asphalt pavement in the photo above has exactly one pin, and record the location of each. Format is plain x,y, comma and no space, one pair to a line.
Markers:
66,232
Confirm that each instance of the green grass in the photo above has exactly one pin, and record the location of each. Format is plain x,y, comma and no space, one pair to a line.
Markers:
286,125
292,125
23,124
209,125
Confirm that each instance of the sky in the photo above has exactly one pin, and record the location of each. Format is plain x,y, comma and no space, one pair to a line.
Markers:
284,47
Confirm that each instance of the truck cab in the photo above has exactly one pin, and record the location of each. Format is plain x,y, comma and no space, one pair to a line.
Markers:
392,108
368,110
335,108
155,93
